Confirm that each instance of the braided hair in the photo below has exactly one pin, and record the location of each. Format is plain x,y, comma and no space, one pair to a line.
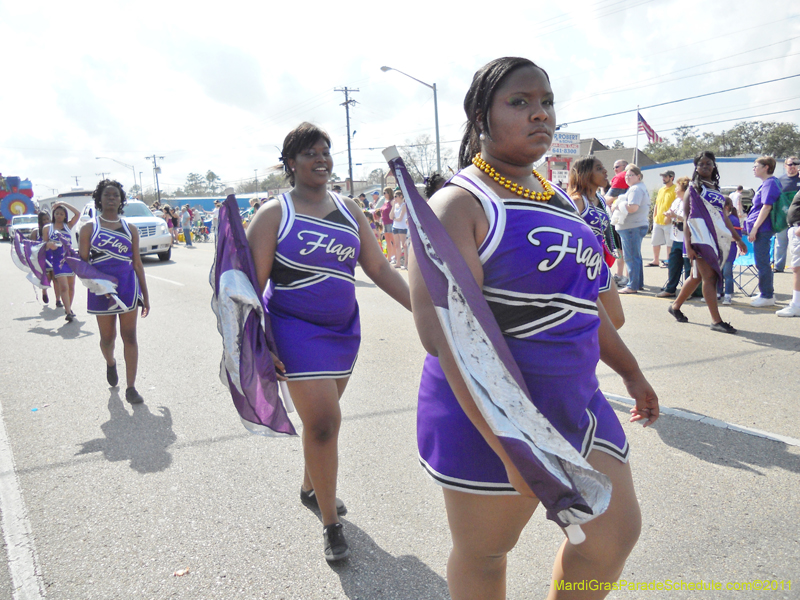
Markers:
479,99
697,182
433,184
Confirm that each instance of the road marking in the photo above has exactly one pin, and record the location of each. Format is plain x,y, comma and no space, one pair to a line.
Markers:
167,280
25,577
690,416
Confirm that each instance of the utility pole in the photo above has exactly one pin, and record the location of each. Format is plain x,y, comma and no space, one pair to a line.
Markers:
347,102
76,180
156,171
256,172
103,175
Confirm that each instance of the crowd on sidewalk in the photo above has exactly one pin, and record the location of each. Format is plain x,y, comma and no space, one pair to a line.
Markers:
703,232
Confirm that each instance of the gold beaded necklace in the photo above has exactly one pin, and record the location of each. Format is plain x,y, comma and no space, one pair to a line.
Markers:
515,187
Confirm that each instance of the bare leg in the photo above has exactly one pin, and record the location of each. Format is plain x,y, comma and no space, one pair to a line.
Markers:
317,404
127,329
71,287
484,529
610,538
709,289
389,244
107,324
689,286
399,244
656,253
63,288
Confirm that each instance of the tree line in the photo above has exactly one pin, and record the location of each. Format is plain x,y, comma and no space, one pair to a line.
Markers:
748,137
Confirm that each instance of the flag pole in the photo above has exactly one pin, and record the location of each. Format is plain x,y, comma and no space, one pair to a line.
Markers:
636,146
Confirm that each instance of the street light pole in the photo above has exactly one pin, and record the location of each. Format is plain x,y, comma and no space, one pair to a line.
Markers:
119,162
435,112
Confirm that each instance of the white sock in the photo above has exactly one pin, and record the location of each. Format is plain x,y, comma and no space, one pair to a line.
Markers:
796,297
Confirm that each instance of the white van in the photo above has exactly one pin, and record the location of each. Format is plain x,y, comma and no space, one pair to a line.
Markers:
154,237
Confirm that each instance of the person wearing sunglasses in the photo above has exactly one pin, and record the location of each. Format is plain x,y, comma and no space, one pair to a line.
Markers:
790,185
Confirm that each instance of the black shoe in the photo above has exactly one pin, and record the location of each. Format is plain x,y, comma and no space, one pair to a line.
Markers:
679,316
723,327
132,396
59,304
45,297
310,500
334,543
70,317
111,375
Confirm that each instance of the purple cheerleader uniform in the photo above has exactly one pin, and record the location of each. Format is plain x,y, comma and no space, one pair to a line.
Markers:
542,270
111,252
311,296
55,258
596,217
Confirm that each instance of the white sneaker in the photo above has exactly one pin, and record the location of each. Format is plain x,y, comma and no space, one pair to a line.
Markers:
793,310
727,299
760,301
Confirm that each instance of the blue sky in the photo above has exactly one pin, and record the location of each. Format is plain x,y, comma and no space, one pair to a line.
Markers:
218,88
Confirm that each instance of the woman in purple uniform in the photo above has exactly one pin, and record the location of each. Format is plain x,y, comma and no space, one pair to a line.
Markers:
59,238
305,245
540,268
586,177
111,245
707,234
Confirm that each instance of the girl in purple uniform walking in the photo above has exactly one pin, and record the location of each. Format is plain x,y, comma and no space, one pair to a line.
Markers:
111,245
305,247
539,266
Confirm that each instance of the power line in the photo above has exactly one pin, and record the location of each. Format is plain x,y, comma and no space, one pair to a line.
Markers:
658,79
623,112
778,112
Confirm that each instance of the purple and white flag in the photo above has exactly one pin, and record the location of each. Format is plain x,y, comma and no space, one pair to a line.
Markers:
94,279
711,239
30,257
565,483
243,321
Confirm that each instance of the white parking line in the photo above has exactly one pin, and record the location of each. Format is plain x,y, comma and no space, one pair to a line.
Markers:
690,416
167,280
25,577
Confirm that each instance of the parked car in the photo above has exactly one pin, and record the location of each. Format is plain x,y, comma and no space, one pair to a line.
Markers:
154,237
24,224
747,196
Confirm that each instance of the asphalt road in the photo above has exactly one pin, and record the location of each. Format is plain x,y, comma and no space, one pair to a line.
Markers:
118,499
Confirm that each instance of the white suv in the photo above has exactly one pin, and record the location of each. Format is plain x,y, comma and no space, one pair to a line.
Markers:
154,237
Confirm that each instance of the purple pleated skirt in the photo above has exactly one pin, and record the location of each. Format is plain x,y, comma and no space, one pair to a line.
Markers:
312,351
128,290
455,454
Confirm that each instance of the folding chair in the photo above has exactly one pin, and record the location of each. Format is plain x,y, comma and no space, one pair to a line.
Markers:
745,274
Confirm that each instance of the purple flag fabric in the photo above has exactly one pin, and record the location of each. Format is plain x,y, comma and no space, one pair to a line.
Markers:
93,278
243,321
568,487
30,257
711,239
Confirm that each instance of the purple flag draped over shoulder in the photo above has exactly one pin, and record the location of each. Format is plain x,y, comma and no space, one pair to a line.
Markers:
568,487
711,239
93,278
242,319
30,257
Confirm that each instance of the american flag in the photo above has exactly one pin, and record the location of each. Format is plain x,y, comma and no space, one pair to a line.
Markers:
652,136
